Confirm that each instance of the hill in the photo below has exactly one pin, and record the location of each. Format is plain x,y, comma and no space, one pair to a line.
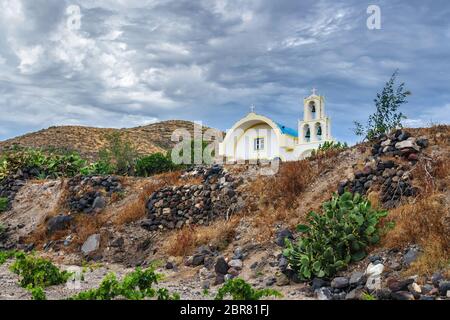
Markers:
388,223
88,141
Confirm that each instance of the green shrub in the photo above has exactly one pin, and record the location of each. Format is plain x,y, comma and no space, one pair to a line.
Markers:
4,203
106,291
47,164
64,165
97,168
37,293
119,155
152,164
55,165
6,255
327,145
335,238
135,286
239,289
37,272
51,164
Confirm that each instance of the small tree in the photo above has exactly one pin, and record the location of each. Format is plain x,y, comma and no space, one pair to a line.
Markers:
387,115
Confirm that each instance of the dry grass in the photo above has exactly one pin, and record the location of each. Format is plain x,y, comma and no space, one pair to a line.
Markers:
436,256
422,222
135,208
292,179
416,222
327,154
265,220
426,219
85,226
39,237
438,135
219,234
286,197
432,174
169,178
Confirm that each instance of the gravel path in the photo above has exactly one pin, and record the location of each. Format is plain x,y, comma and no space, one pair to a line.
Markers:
185,282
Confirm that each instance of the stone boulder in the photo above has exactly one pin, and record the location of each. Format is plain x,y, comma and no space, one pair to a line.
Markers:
58,223
339,283
91,244
282,235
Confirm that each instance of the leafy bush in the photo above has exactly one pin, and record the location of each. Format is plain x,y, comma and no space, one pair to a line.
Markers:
51,164
119,155
239,289
97,168
44,163
37,272
135,286
55,165
327,145
106,291
335,238
154,163
329,149
4,203
386,116
37,293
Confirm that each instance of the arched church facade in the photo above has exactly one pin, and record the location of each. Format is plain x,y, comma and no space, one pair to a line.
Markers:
257,137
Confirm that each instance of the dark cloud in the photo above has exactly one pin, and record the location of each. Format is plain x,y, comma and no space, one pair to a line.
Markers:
134,62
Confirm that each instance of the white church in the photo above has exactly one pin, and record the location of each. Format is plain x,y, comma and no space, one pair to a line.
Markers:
256,137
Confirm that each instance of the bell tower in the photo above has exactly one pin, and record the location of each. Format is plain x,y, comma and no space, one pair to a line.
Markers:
315,127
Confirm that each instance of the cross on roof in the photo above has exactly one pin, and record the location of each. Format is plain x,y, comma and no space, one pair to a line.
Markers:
252,108
314,91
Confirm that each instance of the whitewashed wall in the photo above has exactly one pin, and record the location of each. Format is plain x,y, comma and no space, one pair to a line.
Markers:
245,144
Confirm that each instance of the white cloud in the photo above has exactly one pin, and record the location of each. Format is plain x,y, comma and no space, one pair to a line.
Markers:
12,12
139,60
414,123
29,58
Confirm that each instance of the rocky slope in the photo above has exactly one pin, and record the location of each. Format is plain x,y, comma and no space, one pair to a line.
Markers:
88,140
210,224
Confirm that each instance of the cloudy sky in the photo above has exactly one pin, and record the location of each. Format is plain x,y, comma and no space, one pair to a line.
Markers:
122,63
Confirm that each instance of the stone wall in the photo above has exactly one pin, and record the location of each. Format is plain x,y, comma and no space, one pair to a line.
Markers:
391,176
10,185
89,194
176,206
